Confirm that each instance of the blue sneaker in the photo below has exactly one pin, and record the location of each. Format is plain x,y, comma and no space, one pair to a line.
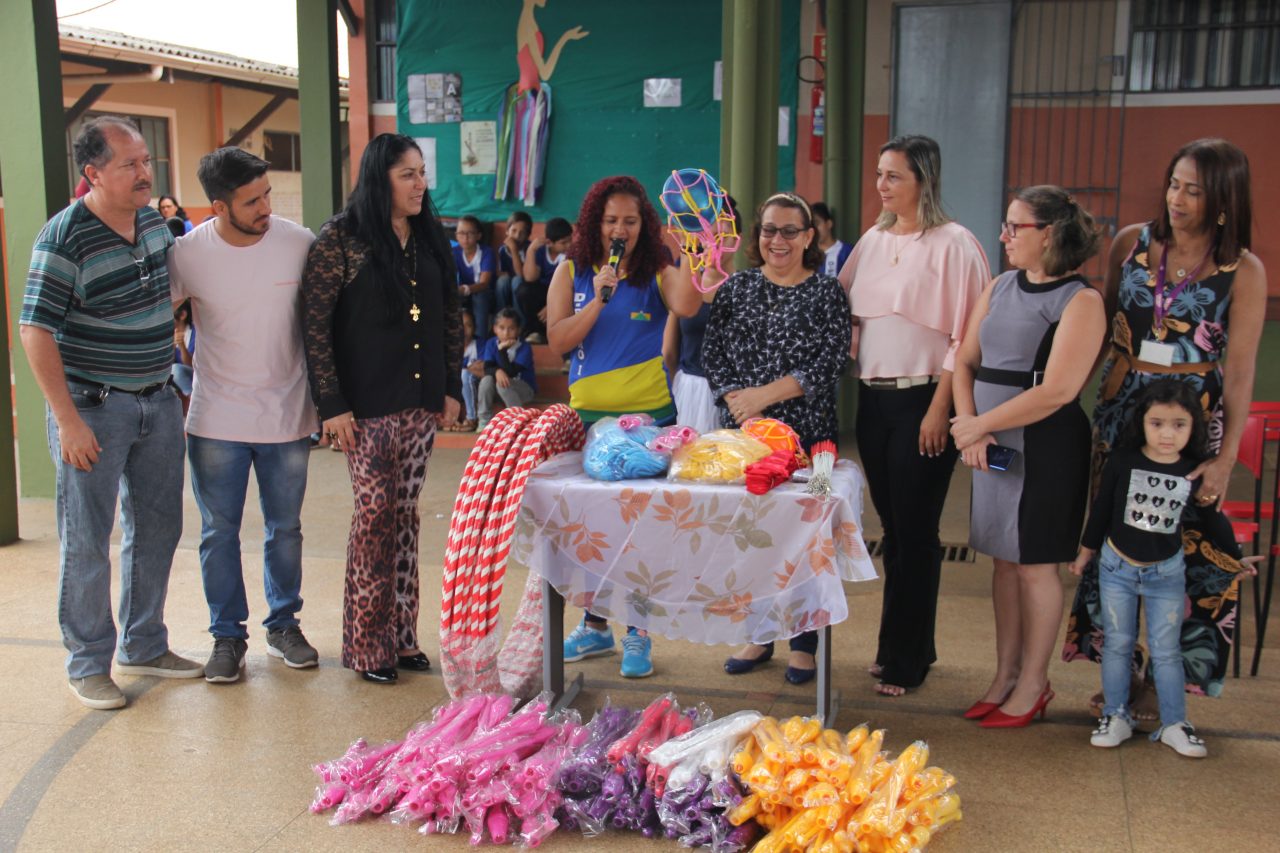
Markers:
637,655
585,642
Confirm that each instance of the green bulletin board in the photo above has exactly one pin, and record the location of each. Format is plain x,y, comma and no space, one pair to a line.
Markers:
599,124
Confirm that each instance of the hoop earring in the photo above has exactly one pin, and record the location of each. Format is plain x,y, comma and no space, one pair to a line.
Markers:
1222,219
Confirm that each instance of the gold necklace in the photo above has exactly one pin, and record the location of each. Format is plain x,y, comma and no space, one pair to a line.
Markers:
410,249
898,247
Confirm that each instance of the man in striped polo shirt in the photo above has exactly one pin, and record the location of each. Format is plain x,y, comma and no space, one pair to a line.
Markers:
97,327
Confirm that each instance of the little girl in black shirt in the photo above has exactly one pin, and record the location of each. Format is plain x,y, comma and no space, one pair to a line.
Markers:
1136,523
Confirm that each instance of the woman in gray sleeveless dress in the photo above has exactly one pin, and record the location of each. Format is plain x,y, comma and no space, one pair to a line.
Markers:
1028,351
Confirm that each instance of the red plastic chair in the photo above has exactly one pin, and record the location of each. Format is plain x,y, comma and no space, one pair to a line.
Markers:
1264,610
1271,408
1270,411
1247,516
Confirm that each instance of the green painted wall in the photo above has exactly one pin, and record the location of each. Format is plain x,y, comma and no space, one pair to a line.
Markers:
1266,386
599,125
33,157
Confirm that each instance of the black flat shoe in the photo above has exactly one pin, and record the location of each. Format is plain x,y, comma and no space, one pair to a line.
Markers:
386,675
737,666
796,675
415,663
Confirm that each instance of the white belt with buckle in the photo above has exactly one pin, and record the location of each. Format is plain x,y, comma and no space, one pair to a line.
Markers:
900,382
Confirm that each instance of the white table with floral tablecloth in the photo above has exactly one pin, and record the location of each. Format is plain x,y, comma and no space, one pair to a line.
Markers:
706,563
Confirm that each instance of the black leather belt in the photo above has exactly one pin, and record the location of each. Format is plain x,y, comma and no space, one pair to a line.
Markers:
104,390
1016,378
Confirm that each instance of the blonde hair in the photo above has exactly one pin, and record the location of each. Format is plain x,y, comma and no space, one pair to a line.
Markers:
925,159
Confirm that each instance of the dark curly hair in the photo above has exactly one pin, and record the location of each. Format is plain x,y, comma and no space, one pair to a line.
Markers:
1175,392
648,258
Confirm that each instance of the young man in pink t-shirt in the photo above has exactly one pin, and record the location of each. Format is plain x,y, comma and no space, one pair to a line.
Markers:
250,404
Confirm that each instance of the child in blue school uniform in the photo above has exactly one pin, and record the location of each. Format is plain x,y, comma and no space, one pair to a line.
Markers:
540,262
511,261
509,374
476,265
472,370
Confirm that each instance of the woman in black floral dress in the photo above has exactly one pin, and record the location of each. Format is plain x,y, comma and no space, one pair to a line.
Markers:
776,343
1186,295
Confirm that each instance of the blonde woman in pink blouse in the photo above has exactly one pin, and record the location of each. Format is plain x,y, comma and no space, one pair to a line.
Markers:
912,280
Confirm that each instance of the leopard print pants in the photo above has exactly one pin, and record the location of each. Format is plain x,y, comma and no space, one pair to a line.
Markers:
380,605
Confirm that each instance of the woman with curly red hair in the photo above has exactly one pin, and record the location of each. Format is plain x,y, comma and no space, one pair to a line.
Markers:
612,320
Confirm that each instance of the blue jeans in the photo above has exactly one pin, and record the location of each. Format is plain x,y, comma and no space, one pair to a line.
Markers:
480,306
183,378
505,294
1162,588
141,464
469,383
219,478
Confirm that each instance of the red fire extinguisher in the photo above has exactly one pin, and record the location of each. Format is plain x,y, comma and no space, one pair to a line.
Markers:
817,98
817,106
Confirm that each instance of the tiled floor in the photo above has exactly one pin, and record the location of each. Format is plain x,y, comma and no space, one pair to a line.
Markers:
193,766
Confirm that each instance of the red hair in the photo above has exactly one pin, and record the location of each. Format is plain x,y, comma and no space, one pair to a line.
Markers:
649,256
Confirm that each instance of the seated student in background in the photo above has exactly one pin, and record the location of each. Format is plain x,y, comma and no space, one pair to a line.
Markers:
508,368
511,261
836,250
472,370
476,266
184,346
540,262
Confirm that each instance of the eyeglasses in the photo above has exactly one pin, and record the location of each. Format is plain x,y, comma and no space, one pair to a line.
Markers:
140,261
788,232
1010,229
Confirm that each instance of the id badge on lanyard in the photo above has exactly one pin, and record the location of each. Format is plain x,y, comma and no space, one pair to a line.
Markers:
1156,352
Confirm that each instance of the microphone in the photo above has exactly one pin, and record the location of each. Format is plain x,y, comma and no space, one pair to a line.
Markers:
616,250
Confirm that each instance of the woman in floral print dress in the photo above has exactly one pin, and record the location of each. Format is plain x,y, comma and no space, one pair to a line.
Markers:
1186,295
776,344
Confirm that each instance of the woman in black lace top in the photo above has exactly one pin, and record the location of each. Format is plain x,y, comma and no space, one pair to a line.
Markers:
384,352
776,344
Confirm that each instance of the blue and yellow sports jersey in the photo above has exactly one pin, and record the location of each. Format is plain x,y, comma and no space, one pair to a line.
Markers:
618,369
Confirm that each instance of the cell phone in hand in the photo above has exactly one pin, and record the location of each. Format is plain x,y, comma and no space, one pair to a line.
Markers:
1000,458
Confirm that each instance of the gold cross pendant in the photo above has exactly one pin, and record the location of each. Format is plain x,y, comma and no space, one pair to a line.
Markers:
415,312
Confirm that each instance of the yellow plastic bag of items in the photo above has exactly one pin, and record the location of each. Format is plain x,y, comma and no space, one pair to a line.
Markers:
721,456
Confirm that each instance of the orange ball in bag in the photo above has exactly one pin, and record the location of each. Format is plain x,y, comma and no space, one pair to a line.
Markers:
775,434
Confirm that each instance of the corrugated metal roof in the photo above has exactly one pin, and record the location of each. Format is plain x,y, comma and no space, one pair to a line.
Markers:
90,41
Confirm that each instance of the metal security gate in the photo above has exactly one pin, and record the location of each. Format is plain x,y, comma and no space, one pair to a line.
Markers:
1067,82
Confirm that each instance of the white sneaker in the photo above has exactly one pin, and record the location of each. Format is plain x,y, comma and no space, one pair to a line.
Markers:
1181,738
1112,731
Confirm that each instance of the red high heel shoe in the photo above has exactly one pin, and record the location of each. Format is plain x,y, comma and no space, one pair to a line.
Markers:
980,709
998,719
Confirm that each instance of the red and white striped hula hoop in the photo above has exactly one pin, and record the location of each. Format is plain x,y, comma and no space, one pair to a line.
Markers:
468,519
479,542
557,430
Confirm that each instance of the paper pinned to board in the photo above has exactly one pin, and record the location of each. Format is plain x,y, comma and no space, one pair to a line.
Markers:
479,147
662,92
428,146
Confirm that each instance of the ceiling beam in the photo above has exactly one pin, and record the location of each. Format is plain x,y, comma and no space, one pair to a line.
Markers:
254,123
85,101
349,17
